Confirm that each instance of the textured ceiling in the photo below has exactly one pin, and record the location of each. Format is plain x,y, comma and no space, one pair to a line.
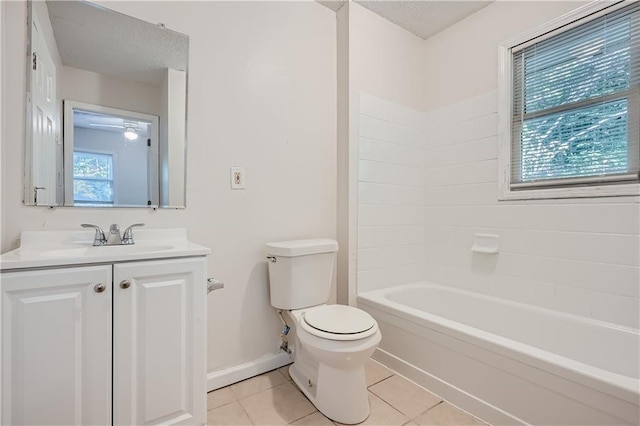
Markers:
108,123
100,40
423,18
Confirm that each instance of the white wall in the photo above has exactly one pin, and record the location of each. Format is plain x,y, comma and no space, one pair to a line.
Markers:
385,60
105,90
346,184
576,256
257,98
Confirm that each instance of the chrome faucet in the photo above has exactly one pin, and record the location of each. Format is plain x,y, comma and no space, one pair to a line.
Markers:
99,239
127,237
114,238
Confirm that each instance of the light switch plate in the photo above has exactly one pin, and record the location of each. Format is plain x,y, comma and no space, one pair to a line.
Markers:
238,178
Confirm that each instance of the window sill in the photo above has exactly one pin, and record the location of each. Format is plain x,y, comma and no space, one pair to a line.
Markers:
619,190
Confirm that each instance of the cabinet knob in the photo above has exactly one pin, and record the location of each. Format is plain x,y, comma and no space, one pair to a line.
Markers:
125,284
99,288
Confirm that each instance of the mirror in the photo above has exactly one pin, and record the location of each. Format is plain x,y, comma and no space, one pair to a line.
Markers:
106,109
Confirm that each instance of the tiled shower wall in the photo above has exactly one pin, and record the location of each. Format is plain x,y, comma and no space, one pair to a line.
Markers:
580,256
391,232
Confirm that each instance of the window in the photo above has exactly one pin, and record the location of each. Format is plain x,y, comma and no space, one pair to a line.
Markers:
92,178
573,107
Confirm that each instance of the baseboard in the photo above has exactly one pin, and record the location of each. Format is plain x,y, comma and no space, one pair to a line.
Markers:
221,378
456,396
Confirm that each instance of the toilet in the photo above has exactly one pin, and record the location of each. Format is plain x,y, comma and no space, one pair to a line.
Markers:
330,343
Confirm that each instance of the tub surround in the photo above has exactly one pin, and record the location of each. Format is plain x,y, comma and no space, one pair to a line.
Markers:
578,256
428,185
391,198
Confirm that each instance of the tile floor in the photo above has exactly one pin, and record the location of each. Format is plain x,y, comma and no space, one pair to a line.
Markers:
273,399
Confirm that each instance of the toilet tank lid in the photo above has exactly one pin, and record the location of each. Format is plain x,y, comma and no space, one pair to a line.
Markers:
302,247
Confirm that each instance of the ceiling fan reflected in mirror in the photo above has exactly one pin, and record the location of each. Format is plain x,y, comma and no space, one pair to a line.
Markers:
130,128
130,133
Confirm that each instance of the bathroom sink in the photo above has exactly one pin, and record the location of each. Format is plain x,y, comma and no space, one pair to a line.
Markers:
105,250
58,248
135,248
65,252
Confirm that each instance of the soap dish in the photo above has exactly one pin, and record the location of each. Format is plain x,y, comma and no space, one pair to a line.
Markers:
485,243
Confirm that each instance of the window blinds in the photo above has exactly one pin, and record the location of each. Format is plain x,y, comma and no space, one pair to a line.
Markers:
576,105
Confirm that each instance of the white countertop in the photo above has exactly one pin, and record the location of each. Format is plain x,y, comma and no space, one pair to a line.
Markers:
65,248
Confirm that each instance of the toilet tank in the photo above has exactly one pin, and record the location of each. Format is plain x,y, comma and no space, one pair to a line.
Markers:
300,272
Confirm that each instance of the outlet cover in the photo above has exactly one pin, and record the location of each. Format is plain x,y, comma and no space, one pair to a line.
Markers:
238,178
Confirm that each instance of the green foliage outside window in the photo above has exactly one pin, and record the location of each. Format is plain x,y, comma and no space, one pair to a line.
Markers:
92,178
574,104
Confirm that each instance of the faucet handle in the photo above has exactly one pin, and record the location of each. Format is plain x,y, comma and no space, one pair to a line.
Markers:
127,237
99,239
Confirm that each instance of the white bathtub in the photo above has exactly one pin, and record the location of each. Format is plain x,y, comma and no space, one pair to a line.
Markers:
507,362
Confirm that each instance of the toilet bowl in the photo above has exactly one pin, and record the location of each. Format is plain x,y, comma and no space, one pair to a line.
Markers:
330,343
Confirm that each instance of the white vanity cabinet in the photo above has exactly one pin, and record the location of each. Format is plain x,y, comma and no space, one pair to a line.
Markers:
56,346
159,370
120,343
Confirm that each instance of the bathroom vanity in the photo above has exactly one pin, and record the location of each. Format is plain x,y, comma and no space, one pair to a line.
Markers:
104,335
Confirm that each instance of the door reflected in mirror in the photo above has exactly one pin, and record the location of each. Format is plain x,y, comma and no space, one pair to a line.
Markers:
122,86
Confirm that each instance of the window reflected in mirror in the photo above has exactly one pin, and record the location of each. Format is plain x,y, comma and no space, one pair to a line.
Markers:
92,178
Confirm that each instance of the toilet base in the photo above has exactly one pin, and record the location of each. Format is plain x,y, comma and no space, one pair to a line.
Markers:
339,394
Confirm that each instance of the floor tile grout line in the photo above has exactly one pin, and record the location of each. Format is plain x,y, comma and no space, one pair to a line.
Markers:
415,384
254,377
428,409
237,401
235,398
246,413
381,380
222,405
389,404
306,415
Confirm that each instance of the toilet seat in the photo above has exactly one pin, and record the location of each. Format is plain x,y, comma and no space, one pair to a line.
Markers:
338,322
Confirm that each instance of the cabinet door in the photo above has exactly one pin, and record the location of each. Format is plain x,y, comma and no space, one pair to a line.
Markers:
159,342
56,346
